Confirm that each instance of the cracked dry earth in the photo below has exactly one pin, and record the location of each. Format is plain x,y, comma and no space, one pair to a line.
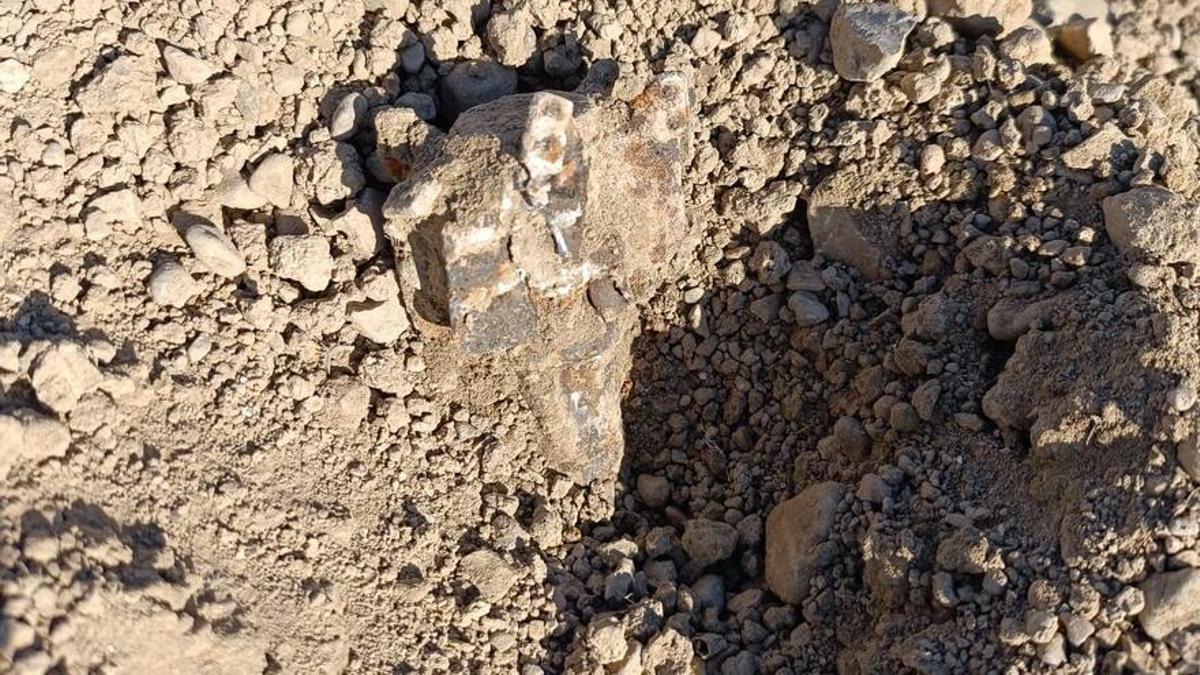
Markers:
516,336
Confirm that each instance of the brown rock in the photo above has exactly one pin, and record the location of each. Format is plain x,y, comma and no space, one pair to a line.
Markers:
795,530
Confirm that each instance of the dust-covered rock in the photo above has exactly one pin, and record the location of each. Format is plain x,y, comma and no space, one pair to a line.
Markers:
214,250
304,258
1172,602
1153,224
868,39
796,528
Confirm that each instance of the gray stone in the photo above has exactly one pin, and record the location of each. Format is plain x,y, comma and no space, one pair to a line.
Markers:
382,322
807,309
472,83
234,192
422,104
868,39
347,115
488,573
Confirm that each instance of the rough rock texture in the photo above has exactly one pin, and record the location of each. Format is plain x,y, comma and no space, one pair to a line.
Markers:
540,264
868,39
795,530
1152,224
1172,602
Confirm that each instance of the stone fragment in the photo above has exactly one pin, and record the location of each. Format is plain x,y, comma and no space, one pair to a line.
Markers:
403,142
868,39
472,83
304,258
843,230
1053,653
795,530
347,115
214,250
122,206
1040,625
185,68
1058,12
347,403
127,83
1078,629
605,639
488,573
511,37
26,435
708,541
514,246
978,17
171,285
1188,454
851,438
1098,148
62,375
807,309
274,178
1172,602
233,191
1152,224
655,491
14,75
769,262
362,225
1085,39
668,653
1029,45
336,173
382,322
